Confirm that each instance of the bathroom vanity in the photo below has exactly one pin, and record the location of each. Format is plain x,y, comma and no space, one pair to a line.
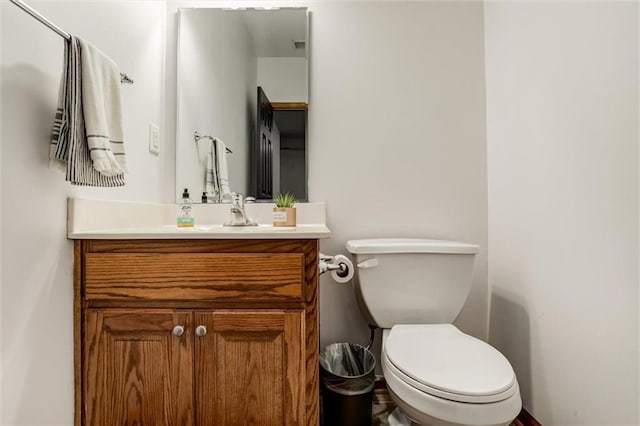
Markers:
202,327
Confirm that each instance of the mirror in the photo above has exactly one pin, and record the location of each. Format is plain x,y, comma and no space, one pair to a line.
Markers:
242,103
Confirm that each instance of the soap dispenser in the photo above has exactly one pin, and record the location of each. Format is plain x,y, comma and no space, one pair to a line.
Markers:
185,217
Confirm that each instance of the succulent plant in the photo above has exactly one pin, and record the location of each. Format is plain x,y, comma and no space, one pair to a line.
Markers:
285,200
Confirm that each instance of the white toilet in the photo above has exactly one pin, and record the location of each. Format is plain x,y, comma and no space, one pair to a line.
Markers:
413,289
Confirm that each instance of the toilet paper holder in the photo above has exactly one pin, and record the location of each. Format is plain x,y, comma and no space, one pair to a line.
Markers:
326,265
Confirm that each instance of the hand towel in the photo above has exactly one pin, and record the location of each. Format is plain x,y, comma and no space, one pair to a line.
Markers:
69,146
217,171
102,110
211,182
223,170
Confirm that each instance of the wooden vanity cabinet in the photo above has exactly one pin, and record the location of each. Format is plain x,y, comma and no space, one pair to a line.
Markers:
206,332
134,370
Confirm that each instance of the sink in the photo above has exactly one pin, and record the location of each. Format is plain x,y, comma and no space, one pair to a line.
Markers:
240,229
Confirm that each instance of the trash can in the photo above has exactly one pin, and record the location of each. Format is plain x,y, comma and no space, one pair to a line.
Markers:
347,376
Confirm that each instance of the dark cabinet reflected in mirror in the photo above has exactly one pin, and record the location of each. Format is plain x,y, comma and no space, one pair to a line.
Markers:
280,149
242,81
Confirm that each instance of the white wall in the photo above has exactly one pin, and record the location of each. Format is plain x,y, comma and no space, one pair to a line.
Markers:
562,114
1,226
284,79
397,136
396,133
36,277
218,80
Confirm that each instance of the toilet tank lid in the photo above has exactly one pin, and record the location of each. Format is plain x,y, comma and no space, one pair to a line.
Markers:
409,245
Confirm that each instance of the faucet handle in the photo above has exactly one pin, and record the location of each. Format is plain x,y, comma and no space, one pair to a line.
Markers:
238,215
236,200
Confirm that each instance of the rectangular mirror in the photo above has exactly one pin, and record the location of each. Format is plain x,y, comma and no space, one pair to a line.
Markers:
242,103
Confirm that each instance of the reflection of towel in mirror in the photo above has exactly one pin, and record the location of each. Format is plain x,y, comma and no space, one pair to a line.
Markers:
216,181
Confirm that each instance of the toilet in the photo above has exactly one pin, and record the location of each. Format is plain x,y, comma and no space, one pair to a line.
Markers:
413,289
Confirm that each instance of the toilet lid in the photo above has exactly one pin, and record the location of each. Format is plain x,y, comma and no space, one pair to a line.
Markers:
443,361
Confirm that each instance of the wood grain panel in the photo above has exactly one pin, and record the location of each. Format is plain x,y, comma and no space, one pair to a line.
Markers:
312,332
77,332
137,371
250,368
197,304
289,106
294,369
194,276
243,340
196,246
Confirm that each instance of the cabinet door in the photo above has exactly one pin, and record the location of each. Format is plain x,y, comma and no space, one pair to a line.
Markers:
250,368
137,370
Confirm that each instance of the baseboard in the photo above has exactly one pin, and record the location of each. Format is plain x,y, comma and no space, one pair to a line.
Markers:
525,419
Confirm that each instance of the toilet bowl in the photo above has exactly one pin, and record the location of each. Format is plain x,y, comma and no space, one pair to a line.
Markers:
413,289
441,376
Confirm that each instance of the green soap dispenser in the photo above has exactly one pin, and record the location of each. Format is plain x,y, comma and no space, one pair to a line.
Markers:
185,217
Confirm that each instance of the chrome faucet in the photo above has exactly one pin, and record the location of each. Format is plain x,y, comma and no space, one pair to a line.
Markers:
238,215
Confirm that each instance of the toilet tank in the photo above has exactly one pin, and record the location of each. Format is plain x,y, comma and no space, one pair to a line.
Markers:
411,281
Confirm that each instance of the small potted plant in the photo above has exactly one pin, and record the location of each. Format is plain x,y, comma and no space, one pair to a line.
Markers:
284,214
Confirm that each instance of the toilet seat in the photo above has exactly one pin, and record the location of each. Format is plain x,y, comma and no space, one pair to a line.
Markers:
424,408
442,361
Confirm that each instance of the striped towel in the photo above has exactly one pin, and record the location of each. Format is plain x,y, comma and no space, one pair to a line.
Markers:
102,110
217,174
69,146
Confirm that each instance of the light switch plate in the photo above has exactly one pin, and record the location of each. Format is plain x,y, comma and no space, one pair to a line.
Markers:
154,139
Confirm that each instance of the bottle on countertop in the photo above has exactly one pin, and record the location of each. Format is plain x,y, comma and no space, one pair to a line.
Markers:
185,216
205,199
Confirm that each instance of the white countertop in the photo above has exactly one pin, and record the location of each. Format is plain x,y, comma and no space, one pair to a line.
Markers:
96,219
203,232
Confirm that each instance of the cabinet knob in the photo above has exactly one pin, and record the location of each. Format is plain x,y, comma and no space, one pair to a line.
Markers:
178,330
201,330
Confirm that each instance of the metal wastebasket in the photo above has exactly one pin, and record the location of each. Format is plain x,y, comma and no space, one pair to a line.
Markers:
347,375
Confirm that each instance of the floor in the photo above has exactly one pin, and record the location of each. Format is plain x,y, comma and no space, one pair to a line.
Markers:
382,407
